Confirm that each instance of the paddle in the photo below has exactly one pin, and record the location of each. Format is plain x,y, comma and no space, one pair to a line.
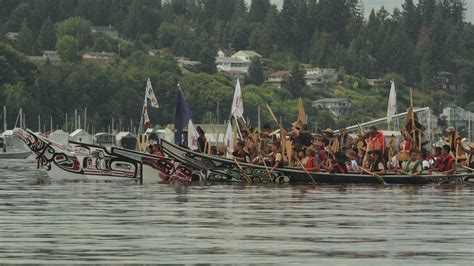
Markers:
266,167
380,178
308,173
468,168
249,180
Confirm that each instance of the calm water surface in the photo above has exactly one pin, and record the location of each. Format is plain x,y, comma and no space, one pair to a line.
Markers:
51,221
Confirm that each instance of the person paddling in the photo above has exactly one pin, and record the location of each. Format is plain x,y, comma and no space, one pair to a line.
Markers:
447,165
277,157
412,166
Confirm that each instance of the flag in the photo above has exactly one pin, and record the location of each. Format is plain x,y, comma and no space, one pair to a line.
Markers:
301,112
150,94
237,103
228,139
408,117
301,115
392,103
182,116
192,136
146,119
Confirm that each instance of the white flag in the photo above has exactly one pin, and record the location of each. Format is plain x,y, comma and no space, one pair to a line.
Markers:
192,136
150,94
392,103
228,139
237,103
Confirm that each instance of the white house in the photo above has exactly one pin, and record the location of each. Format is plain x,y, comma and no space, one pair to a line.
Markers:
229,64
456,116
337,106
246,55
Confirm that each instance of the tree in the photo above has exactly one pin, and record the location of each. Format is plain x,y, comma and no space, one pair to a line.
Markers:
68,49
25,40
21,12
47,37
255,72
78,28
296,84
207,57
258,10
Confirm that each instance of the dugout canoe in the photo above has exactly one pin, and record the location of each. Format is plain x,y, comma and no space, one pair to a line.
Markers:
222,169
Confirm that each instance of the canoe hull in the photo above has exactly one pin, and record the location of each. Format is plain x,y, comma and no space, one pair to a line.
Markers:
221,169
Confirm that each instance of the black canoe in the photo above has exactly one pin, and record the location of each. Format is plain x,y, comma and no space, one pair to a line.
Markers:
222,169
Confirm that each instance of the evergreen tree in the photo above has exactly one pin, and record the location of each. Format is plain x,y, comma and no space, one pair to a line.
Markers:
258,10
47,37
25,40
207,57
21,12
240,9
296,84
255,72
411,22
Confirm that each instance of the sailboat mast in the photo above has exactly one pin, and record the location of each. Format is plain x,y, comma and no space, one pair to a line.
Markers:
4,118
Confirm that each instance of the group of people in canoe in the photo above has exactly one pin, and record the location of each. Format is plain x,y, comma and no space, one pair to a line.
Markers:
340,152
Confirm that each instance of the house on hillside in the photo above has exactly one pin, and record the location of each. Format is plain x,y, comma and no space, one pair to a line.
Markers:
246,55
337,106
229,64
109,30
101,58
378,83
278,78
51,57
12,36
443,81
320,77
456,116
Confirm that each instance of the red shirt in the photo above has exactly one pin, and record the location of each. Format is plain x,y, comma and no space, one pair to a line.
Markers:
446,163
311,163
378,143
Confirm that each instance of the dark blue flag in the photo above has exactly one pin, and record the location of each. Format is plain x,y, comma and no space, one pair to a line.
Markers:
182,116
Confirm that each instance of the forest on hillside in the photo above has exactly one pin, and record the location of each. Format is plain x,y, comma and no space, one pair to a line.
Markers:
409,45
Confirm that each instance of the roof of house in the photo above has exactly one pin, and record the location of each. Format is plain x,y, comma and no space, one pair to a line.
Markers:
332,100
100,54
282,73
229,60
104,28
247,53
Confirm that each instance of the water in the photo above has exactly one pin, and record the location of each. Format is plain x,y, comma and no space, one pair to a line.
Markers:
49,221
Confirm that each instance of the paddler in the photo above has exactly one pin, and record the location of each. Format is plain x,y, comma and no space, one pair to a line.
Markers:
277,157
338,164
412,166
376,140
240,154
268,134
327,136
376,162
311,164
448,162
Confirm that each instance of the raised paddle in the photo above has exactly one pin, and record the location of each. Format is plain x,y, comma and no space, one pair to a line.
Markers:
380,178
249,180
307,172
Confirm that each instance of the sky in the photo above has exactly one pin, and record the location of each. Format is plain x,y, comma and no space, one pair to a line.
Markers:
391,4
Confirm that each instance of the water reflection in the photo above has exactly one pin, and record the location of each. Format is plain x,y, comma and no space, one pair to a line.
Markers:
46,221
